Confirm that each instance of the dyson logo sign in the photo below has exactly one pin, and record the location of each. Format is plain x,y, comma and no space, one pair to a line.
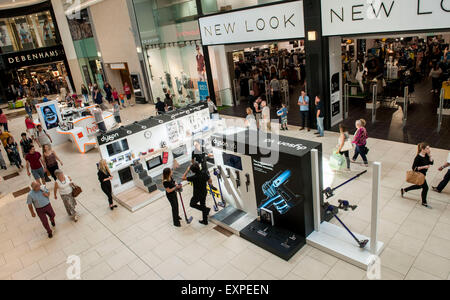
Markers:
109,138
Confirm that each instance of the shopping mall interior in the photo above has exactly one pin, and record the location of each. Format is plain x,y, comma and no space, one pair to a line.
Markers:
218,141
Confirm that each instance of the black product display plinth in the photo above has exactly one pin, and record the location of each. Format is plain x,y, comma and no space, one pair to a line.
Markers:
277,241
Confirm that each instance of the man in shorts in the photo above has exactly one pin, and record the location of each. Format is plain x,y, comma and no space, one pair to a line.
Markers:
34,162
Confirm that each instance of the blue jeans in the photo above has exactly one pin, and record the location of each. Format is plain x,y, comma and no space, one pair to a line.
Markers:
320,126
360,150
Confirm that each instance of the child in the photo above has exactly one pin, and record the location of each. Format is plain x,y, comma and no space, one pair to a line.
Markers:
122,99
282,113
115,95
117,113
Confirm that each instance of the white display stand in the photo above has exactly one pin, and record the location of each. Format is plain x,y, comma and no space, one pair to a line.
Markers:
335,240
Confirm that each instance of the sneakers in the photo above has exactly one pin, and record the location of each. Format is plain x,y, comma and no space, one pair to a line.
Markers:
50,235
435,189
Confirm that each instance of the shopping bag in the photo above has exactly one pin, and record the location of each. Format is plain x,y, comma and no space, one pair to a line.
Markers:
415,178
337,161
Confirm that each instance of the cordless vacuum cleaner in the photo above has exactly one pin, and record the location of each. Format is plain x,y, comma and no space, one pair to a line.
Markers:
218,174
331,210
214,198
329,192
188,220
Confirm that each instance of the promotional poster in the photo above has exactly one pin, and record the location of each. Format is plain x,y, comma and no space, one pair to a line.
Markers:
50,116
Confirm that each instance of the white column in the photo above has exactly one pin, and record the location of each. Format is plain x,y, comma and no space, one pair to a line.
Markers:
375,197
316,188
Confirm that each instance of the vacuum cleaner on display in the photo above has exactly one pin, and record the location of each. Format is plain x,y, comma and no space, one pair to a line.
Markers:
331,210
188,220
218,174
214,198
278,194
329,192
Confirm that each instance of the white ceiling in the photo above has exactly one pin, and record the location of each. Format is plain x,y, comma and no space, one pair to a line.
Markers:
5,4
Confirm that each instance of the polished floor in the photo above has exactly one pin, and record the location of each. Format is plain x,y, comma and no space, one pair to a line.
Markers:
144,245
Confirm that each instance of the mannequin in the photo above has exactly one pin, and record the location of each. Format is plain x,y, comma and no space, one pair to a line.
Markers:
359,76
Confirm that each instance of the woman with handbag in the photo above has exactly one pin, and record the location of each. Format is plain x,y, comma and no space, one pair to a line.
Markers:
104,176
344,144
360,140
65,186
422,163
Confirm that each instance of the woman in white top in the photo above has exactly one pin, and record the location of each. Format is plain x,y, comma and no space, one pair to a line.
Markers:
344,144
250,121
64,185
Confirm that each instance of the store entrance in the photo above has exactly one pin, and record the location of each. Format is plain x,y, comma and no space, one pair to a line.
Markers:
273,71
403,75
40,80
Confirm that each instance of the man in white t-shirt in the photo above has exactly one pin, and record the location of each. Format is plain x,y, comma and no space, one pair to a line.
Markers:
265,116
446,179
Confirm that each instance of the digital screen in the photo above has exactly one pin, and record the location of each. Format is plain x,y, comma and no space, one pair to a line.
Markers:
117,147
231,160
125,175
154,162
180,151
50,116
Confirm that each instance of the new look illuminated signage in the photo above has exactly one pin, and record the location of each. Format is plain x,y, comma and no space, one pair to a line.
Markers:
340,17
274,22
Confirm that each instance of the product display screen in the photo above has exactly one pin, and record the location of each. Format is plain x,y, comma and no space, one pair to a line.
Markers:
180,151
50,116
154,162
231,160
117,147
125,175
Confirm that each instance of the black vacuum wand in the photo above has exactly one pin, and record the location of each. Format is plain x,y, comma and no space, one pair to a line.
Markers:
330,209
329,192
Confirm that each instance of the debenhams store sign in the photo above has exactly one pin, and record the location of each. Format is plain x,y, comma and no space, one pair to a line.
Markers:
274,22
33,57
340,17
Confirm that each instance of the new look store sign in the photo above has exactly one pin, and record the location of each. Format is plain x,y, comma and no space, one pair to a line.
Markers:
340,17
274,22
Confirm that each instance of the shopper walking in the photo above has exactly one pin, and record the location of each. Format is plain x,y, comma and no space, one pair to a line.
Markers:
104,176
171,193
98,117
42,137
35,163
127,90
199,181
116,112
360,140
13,153
39,198
319,116
25,144
98,99
211,106
31,128
160,106
108,91
344,144
3,120
422,163
275,89
85,93
446,179
64,184
282,113
435,75
265,116
257,110
51,160
115,96
303,102
29,110
250,121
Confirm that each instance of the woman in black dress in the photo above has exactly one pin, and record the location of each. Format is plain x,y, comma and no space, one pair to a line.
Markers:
13,152
104,176
171,192
422,163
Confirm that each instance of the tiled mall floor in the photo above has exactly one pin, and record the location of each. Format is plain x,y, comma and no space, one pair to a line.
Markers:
144,245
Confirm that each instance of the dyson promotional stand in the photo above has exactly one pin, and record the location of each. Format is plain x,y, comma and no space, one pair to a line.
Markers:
340,241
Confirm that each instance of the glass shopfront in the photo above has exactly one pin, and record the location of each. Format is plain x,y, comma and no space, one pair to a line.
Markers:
214,6
171,40
27,32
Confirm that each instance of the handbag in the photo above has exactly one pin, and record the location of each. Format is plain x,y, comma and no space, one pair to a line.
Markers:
414,177
76,190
